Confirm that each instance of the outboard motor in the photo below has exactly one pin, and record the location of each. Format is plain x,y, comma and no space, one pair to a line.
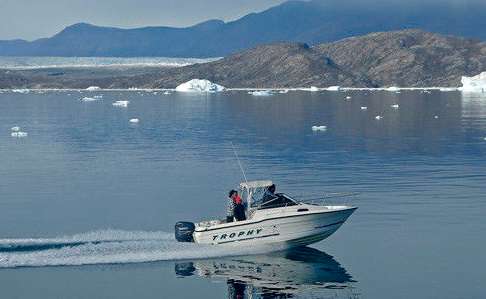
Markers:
184,230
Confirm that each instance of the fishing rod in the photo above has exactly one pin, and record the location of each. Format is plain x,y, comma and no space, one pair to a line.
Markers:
239,162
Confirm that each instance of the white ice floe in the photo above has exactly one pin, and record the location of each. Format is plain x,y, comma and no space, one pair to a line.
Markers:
199,85
89,99
378,117
436,116
167,92
364,108
284,91
446,89
333,88
15,129
319,128
474,84
19,134
93,88
395,106
21,90
134,120
261,93
393,88
313,88
348,98
121,103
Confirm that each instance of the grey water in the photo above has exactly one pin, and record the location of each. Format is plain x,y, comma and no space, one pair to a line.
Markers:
88,200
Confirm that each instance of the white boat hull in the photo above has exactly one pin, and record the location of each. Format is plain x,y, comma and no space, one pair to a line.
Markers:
293,226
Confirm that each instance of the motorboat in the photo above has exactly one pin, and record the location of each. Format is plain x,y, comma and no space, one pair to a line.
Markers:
275,220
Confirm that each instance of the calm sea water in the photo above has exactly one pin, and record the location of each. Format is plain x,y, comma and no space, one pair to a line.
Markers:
88,201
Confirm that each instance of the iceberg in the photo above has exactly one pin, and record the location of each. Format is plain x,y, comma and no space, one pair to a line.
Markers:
15,129
313,88
261,93
395,106
19,134
199,85
121,103
88,99
93,88
319,128
333,88
134,120
474,84
378,117
22,90
364,108
392,88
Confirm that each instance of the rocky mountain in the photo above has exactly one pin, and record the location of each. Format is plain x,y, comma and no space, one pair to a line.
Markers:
398,58
310,22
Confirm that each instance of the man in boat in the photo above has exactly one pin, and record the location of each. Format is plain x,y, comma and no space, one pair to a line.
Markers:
235,207
269,193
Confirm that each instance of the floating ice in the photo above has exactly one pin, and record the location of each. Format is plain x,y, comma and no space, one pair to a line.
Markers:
474,84
261,93
378,117
392,88
21,90
446,89
313,88
167,92
199,85
134,120
93,88
284,91
15,129
319,128
19,134
89,99
121,103
364,108
333,88
436,116
348,98
395,106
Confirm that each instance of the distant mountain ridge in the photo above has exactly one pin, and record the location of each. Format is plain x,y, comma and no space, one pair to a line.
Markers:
311,22
406,58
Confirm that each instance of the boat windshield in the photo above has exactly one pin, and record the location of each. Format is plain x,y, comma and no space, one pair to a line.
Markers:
277,201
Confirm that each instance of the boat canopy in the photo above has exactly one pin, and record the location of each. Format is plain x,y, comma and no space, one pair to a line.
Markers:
256,184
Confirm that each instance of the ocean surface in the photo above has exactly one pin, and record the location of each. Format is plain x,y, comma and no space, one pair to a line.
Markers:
88,200
36,62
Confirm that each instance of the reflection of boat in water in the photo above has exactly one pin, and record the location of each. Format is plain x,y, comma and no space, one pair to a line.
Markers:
279,274
277,220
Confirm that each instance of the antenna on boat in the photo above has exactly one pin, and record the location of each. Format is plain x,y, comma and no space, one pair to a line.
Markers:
239,162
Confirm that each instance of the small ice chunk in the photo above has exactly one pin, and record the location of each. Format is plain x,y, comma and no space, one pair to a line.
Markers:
89,99
378,117
261,93
436,116
474,84
319,128
284,91
100,96
15,129
19,134
121,103
93,88
134,120
364,108
21,90
199,85
167,92
348,98
313,88
392,88
446,89
333,88
395,106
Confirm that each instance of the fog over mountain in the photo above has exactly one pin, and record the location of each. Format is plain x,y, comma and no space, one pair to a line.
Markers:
311,22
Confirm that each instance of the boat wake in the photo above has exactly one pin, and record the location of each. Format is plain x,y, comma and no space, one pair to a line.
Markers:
108,247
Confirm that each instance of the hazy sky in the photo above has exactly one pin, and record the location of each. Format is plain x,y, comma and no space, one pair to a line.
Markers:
31,19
